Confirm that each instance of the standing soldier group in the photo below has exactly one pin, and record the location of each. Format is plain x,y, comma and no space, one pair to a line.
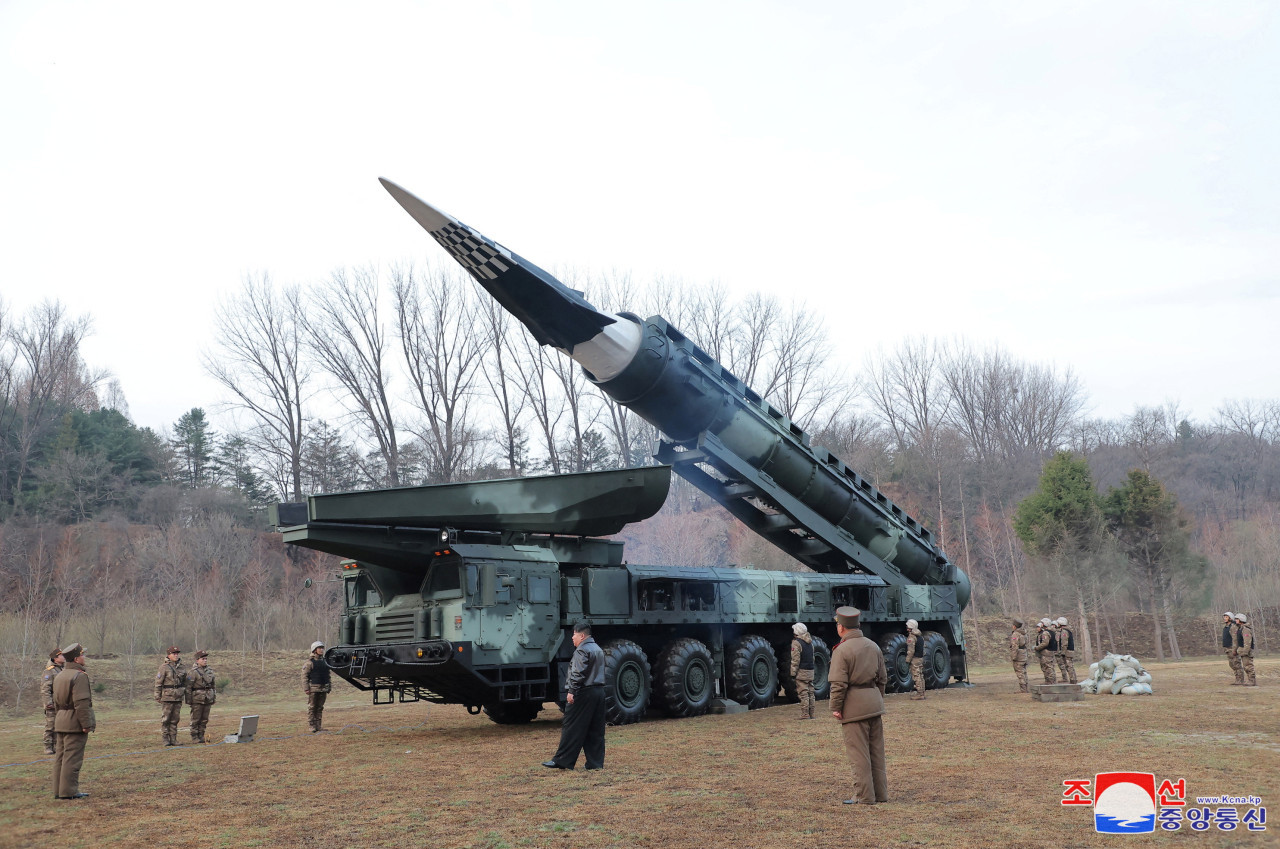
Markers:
176,684
1237,642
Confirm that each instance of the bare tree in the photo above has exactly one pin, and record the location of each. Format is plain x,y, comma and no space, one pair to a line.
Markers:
42,376
545,403
502,375
443,354
260,361
802,381
347,338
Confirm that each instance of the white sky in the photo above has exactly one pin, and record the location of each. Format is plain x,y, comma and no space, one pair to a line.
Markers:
1089,184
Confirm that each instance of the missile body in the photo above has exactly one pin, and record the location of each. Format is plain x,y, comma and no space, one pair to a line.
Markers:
816,509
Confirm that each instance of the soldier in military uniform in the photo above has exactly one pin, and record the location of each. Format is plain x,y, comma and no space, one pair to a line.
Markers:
1018,654
46,691
1244,649
1066,653
73,699
1229,631
802,668
200,695
1045,647
915,653
858,678
316,684
171,691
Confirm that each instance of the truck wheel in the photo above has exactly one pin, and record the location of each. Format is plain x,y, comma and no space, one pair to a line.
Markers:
894,647
626,682
512,713
685,680
821,670
821,673
937,661
753,672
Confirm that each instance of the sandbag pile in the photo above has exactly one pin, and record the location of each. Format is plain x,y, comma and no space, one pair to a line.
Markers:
1118,674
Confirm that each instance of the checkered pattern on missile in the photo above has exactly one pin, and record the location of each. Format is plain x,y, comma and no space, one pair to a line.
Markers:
473,251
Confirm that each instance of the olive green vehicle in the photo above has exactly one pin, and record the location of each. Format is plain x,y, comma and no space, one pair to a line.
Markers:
467,593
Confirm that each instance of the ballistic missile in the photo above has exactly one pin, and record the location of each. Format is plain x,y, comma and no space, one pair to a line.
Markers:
765,472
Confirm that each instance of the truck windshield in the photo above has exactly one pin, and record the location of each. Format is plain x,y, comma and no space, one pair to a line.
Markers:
444,581
362,593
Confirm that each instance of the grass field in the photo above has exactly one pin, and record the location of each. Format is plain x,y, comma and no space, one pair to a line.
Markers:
968,767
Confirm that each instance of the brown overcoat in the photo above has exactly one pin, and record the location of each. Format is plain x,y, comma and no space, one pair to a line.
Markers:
858,678
74,700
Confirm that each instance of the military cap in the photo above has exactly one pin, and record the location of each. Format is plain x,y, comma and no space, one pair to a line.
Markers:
1045,622
1018,623
1240,617
73,651
174,650
848,616
1228,614
799,628
201,653
1062,620
912,624
53,655
317,645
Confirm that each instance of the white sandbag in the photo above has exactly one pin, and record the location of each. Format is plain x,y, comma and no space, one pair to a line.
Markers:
1089,686
1144,678
1118,686
1132,690
1107,665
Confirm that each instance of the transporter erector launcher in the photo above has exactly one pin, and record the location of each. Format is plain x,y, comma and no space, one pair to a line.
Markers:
474,605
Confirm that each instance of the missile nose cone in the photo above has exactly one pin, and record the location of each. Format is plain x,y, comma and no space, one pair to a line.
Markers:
424,213
554,313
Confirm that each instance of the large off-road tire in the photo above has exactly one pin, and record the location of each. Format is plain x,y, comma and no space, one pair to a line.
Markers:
626,682
896,662
937,661
753,672
684,680
821,669
512,713
821,673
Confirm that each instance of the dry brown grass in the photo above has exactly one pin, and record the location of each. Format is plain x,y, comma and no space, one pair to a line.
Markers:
967,767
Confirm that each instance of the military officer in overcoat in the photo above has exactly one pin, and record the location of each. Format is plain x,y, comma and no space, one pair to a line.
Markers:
73,699
858,679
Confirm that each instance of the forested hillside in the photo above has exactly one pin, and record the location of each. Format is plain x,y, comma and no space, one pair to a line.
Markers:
133,535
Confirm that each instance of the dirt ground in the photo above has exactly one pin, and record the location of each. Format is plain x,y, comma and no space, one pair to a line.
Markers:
968,767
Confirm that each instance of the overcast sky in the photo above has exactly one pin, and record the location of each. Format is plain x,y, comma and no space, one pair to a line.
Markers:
1093,185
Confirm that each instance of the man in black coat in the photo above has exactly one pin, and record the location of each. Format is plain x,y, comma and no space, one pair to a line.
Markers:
583,728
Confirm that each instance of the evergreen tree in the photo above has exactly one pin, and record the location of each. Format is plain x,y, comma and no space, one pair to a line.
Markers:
234,469
1061,525
193,443
1145,520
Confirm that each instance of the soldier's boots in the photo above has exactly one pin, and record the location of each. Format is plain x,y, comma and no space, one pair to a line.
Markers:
915,697
49,751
